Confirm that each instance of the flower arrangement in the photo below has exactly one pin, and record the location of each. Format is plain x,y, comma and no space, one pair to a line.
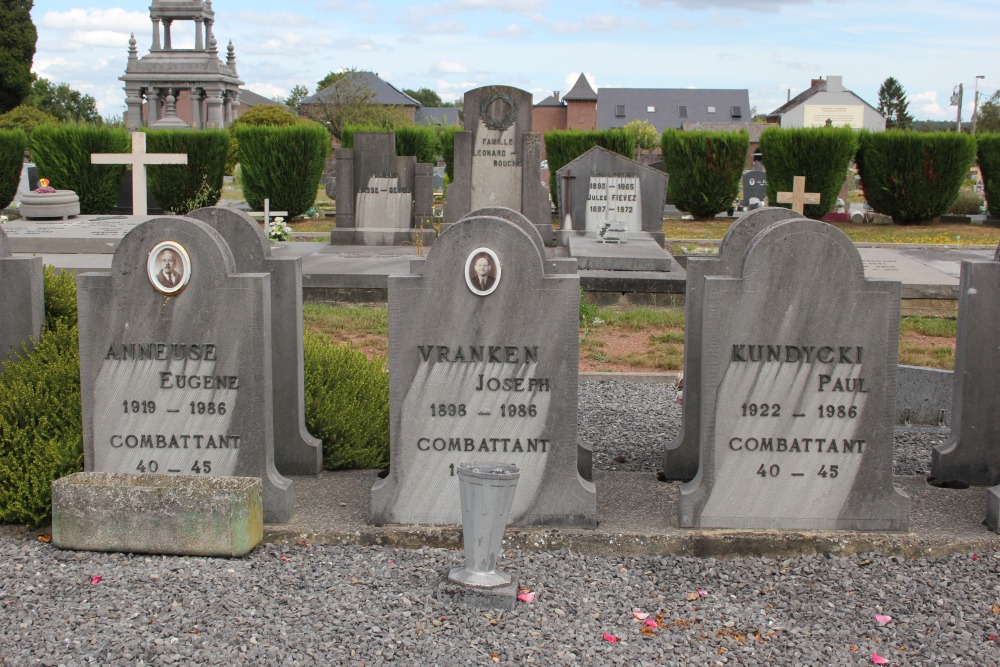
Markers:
4,219
44,187
279,231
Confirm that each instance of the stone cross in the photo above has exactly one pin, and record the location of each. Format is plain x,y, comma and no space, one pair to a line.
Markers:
138,159
798,197
567,192
267,213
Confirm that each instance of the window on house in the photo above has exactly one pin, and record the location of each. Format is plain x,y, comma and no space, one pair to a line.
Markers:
682,111
711,109
736,112
650,109
620,110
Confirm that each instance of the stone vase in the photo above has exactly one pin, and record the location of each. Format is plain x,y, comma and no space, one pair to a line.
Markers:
487,493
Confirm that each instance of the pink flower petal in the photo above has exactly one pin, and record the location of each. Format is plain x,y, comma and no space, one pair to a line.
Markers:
702,591
975,556
95,580
639,615
651,623
879,660
526,597
882,620
283,559
611,638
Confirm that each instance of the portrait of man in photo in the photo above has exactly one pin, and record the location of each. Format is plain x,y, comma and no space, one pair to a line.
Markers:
482,271
168,267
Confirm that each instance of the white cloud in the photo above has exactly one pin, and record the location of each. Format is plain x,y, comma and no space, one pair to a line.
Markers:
509,31
926,105
769,6
266,89
449,67
602,24
115,19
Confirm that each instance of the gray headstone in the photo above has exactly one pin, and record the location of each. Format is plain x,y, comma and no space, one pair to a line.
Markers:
498,157
754,187
296,452
799,381
175,361
601,186
22,300
487,373
971,454
680,457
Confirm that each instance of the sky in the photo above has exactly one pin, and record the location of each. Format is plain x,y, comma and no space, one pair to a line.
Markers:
769,47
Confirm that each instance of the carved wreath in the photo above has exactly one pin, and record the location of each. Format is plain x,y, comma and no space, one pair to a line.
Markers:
503,122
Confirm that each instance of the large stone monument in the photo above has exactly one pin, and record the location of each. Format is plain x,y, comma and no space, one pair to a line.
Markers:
176,361
498,159
483,356
799,381
22,300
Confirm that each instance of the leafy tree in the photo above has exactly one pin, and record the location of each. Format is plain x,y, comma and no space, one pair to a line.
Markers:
347,100
425,96
988,115
646,136
294,99
63,102
26,118
334,77
17,50
893,105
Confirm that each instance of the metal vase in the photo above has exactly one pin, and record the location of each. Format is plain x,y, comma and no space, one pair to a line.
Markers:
487,491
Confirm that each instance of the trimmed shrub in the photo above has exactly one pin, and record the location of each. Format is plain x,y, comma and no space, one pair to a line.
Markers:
705,169
966,203
12,145
63,152
416,140
564,146
347,404
269,115
821,154
41,433
26,119
989,163
184,187
283,164
446,145
911,176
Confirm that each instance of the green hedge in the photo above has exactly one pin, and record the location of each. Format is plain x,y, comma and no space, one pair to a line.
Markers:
62,153
564,146
12,145
347,404
420,141
989,163
912,176
283,164
821,154
446,144
705,169
180,188
270,115
41,432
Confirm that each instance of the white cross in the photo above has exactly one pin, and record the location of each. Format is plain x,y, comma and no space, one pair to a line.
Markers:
267,213
138,159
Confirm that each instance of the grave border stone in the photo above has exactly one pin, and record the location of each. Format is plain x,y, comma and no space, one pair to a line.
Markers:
22,300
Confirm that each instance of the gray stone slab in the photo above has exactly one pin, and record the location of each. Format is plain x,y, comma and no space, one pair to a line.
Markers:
641,253
971,454
993,509
176,378
681,455
161,514
94,234
923,396
22,300
296,452
799,381
490,372
382,237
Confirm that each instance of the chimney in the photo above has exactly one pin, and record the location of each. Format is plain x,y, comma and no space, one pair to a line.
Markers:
815,82
555,95
834,84
789,95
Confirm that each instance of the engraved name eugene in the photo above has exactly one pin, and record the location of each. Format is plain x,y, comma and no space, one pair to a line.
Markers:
168,267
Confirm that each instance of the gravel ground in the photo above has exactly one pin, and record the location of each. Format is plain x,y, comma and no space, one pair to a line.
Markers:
339,605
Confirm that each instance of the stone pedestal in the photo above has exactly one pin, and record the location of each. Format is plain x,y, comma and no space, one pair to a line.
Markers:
59,204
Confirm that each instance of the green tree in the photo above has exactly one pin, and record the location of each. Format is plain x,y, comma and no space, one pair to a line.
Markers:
988,115
63,102
425,96
294,99
334,77
893,105
345,99
646,136
17,50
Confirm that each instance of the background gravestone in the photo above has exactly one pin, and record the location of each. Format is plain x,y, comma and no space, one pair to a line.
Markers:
970,454
176,374
487,374
498,158
799,380
754,187
22,300
602,186
680,456
296,452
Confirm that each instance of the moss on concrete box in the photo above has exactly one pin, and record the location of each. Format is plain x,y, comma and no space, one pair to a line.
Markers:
163,514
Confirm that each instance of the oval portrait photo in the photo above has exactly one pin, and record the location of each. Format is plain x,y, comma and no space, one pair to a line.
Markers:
482,271
168,267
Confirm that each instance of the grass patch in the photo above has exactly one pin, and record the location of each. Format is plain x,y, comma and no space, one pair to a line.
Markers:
366,327
937,327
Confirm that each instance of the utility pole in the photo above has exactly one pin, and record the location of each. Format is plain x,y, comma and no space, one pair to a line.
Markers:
975,103
956,100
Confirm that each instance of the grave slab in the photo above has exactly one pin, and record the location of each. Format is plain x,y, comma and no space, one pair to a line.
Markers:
92,234
798,395
641,253
22,300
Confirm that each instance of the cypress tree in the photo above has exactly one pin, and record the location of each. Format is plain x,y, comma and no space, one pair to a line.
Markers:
17,49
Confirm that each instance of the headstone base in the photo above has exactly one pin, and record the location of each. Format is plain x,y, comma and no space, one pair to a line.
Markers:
482,597
641,253
993,509
385,237
162,514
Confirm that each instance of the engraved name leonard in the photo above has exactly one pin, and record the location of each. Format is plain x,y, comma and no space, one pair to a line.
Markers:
498,148
511,406
839,393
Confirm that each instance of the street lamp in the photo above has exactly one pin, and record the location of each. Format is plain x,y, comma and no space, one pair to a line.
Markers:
975,103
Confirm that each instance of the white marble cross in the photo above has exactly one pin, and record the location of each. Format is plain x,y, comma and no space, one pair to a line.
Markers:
267,213
798,197
138,159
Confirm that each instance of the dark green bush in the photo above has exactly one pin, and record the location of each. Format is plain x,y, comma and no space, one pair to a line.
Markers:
911,176
269,115
564,146
966,203
705,169
184,187
283,164
62,153
26,119
12,145
821,154
989,164
446,146
41,433
347,404
420,141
